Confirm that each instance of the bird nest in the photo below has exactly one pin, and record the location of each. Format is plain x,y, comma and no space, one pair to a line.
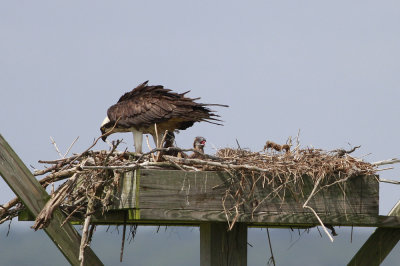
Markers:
91,178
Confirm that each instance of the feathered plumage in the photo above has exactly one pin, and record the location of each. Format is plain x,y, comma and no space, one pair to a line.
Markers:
139,110
198,145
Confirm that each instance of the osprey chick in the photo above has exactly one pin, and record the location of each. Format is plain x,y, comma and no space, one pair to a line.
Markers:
198,145
139,110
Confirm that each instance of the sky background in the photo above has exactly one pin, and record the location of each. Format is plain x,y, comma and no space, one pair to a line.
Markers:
330,70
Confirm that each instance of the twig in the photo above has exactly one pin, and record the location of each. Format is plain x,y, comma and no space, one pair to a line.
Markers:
148,145
320,221
389,181
297,141
385,162
5,207
70,215
95,142
123,238
351,235
55,146
384,169
316,215
127,167
342,152
45,214
272,258
57,164
217,164
70,146
158,145
84,239
176,165
237,143
216,158
58,161
56,176
91,231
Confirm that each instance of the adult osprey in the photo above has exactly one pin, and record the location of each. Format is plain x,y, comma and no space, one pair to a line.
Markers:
139,110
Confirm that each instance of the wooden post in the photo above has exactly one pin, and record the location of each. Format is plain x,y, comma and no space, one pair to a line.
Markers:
220,247
379,244
34,197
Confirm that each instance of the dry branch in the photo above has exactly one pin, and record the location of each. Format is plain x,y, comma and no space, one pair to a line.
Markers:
43,218
385,162
93,176
305,205
389,181
228,166
84,239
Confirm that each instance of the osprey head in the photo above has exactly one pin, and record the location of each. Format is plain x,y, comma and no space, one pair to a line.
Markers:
199,143
104,128
169,139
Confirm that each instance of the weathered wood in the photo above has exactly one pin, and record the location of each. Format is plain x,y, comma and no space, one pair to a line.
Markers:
188,217
34,197
379,244
281,220
188,196
178,197
221,247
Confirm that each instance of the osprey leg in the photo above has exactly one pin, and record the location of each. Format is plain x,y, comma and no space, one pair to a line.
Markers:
137,140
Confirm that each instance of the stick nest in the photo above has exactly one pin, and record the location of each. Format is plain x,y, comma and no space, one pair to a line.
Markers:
92,177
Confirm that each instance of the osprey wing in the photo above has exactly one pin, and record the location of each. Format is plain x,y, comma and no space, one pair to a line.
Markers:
140,111
146,105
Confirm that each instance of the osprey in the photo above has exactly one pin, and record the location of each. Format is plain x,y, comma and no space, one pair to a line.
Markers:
153,110
198,145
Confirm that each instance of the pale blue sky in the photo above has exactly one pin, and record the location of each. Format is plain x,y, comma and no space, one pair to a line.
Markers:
329,69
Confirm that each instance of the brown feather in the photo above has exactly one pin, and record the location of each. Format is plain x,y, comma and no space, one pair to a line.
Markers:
147,105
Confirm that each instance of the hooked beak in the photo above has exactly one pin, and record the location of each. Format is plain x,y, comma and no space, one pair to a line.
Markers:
104,134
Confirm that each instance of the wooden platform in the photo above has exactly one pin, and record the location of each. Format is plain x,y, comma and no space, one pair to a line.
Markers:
195,198
164,197
179,197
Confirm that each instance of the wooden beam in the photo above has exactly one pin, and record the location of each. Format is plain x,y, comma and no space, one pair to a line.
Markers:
203,191
190,198
170,195
194,218
379,244
34,197
221,247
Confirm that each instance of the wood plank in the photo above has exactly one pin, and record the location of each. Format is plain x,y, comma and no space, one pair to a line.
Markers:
34,197
259,218
379,244
279,220
218,246
129,187
178,197
203,191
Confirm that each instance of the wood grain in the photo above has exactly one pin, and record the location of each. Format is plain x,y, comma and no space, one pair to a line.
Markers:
34,197
218,246
380,243
188,196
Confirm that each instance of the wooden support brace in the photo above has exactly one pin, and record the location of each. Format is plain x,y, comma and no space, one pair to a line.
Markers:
34,197
379,244
221,247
